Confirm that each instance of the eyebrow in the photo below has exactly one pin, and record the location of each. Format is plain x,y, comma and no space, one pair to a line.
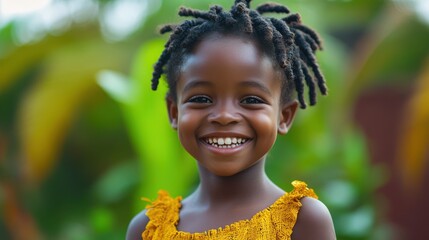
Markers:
254,84
195,84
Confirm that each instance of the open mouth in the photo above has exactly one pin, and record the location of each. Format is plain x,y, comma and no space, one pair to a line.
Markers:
227,142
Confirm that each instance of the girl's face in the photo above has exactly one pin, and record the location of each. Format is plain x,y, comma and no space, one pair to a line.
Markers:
228,109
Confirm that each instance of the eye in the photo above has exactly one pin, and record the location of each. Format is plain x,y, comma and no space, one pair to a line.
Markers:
252,100
199,99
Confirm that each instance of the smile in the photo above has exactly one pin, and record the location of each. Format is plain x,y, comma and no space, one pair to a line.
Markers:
228,142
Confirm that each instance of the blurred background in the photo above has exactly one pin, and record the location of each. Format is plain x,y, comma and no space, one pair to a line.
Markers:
83,138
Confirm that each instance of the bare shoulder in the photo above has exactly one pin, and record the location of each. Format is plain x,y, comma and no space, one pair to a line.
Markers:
314,221
137,226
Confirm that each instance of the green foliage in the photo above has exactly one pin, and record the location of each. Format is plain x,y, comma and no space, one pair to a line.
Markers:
93,158
390,62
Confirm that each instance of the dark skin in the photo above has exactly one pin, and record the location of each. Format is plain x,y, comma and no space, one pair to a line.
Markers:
229,89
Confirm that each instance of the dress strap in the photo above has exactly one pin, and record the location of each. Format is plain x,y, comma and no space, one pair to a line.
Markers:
285,214
163,215
301,190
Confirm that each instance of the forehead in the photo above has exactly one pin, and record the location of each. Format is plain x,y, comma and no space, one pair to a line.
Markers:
219,55
225,50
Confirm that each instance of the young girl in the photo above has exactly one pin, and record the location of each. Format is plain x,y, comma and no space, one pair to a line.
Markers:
232,78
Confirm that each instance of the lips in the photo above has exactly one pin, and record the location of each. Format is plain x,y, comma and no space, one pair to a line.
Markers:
225,142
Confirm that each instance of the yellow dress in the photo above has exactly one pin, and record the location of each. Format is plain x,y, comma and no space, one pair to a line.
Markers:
273,222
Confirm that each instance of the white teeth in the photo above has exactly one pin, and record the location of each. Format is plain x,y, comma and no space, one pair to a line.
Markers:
227,142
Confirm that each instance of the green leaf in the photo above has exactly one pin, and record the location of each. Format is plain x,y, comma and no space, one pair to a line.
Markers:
116,85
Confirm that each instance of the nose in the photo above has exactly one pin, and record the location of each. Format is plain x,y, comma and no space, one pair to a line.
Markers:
224,113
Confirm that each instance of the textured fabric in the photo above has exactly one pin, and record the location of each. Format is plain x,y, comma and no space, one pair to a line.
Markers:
273,222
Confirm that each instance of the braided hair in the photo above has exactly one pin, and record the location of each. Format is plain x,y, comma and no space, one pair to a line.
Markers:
290,44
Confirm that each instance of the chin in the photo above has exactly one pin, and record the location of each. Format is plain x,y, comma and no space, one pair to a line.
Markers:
222,172
219,171
226,172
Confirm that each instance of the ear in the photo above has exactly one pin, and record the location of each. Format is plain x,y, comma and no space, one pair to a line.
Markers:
288,113
172,112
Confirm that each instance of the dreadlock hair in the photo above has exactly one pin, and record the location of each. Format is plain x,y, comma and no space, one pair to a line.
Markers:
290,44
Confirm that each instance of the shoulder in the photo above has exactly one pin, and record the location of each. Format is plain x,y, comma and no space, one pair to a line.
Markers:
137,226
314,221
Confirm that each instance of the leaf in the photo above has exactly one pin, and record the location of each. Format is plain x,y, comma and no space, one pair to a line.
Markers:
116,85
18,61
413,145
49,107
393,50
117,182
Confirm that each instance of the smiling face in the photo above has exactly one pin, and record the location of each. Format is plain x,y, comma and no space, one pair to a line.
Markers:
228,110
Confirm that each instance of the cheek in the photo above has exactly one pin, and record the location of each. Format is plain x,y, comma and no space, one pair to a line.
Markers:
266,127
266,121
187,124
186,119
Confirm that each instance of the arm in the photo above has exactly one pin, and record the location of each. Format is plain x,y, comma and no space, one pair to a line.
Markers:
137,226
314,221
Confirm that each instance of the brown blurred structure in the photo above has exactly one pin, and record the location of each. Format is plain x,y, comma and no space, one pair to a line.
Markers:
381,113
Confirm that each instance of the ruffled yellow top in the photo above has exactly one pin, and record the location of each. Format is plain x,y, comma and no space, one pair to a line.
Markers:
273,222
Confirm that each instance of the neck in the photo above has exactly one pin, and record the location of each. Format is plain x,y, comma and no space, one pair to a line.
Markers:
249,184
